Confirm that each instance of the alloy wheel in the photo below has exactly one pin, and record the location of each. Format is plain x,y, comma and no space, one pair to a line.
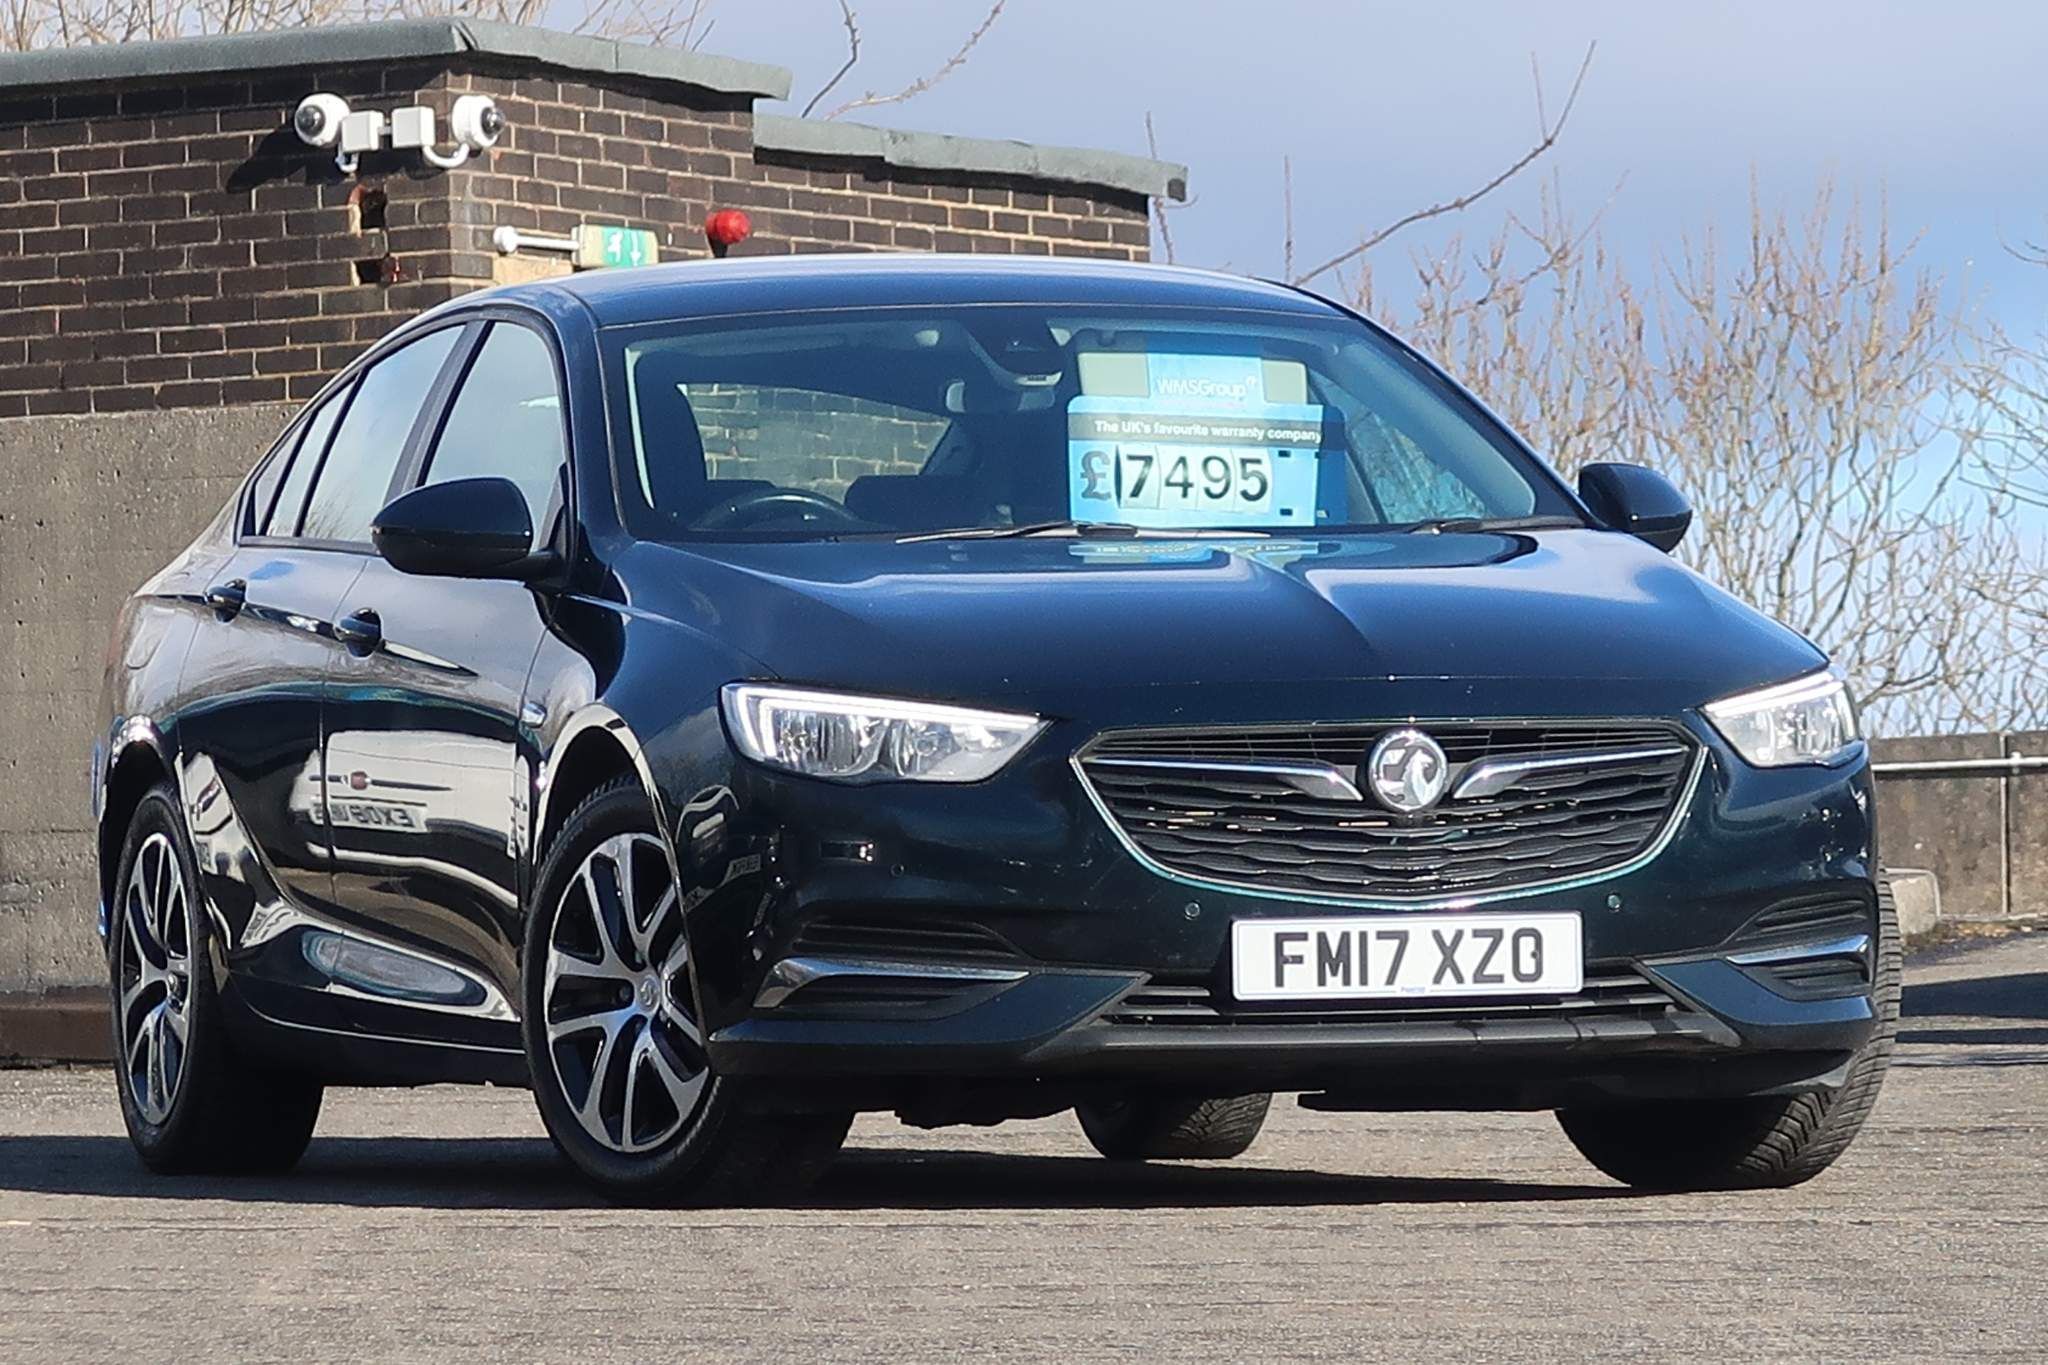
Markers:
627,1052
155,983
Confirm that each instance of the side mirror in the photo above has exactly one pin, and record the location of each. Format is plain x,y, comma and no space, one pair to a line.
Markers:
465,528
1642,502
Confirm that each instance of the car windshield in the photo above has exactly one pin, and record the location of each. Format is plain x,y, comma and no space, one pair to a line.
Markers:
997,420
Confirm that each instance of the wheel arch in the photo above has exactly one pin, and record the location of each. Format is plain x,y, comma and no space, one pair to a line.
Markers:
595,747
138,762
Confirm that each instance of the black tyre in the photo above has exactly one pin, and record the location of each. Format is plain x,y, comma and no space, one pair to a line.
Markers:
190,1101
1173,1127
1755,1143
620,1070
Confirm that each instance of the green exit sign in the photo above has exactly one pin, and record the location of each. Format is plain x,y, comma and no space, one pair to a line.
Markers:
601,246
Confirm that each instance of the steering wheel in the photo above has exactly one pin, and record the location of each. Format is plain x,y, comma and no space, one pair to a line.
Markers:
760,504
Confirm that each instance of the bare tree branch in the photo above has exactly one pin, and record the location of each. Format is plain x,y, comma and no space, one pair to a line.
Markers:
924,83
27,25
1287,217
852,56
1857,452
1549,133
1160,207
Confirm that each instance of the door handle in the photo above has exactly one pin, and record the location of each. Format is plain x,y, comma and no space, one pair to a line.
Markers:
360,630
228,598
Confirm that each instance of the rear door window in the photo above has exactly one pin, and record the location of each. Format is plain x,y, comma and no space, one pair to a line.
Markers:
354,481
263,488
281,516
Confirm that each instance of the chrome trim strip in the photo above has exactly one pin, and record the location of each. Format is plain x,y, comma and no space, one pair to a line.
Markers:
1492,776
1849,945
1450,902
792,974
437,1043
1310,778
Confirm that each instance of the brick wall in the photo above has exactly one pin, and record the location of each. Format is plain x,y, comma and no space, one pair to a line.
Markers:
798,439
177,270
175,245
579,152
814,205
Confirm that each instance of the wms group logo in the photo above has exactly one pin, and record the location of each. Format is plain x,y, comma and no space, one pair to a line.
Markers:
1212,390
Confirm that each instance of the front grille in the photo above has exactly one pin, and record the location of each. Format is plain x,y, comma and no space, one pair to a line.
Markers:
1236,826
1608,992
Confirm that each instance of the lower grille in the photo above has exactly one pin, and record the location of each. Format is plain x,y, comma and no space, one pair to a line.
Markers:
1821,977
1609,993
1812,948
1816,917
900,938
1276,808
891,996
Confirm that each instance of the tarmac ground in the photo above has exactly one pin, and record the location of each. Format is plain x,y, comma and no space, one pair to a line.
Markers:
438,1223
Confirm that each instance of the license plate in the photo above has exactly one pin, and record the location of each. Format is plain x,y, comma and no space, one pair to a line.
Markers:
1379,956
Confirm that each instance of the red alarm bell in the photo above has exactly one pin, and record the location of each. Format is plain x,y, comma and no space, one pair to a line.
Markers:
724,228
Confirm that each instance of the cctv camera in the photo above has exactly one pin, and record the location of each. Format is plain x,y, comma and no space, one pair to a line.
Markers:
318,118
475,122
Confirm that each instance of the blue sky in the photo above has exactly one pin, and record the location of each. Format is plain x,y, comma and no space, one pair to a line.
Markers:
1941,109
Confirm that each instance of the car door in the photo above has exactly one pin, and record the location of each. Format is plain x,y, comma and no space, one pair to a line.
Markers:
261,710
249,728
423,722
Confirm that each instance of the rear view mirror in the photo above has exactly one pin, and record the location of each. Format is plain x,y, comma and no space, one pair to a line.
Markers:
1642,502
465,528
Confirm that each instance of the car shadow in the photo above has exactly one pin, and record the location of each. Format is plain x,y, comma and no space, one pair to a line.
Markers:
1976,1037
504,1173
2016,995
1988,1011
927,1178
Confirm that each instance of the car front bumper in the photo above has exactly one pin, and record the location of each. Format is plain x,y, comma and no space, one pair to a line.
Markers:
1004,934
1718,1031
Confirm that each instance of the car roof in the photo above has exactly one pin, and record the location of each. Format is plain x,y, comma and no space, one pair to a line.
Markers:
766,284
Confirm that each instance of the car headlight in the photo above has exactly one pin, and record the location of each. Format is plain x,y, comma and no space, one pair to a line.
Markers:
1807,720
871,739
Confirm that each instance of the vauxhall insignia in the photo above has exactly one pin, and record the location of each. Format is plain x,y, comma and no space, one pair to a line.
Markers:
1407,772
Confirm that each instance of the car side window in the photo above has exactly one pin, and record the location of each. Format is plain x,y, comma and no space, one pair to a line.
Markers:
355,478
281,517
263,488
506,421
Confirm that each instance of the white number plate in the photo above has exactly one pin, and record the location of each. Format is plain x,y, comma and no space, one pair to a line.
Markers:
1412,955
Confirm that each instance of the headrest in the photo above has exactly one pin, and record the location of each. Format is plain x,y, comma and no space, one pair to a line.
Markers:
670,442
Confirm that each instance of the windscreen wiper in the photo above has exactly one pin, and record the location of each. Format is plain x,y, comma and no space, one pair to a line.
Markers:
1116,530
1440,526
